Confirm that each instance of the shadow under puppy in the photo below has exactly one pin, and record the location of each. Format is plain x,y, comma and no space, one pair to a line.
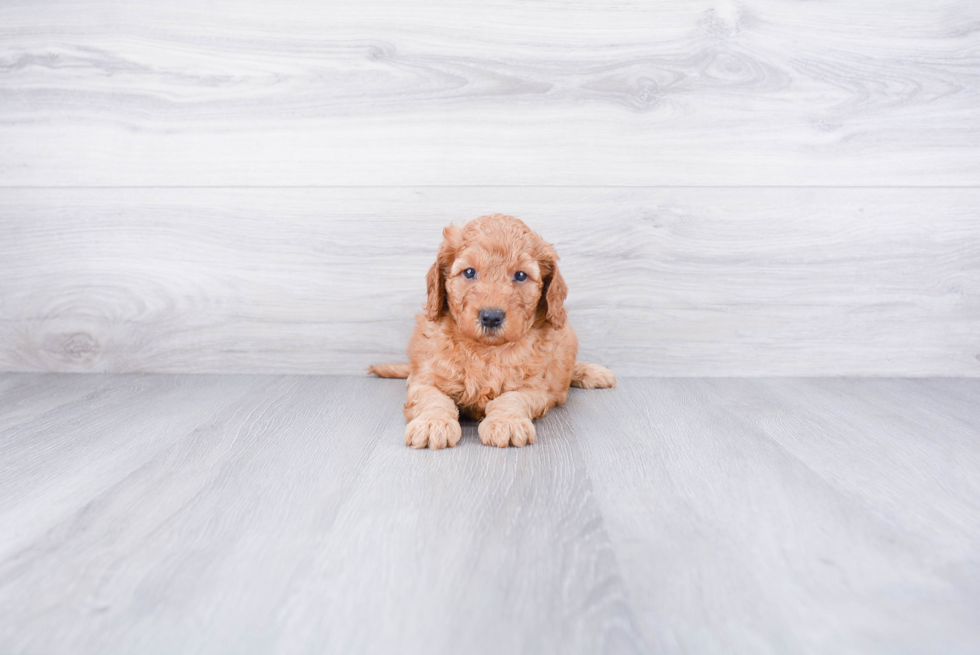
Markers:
493,340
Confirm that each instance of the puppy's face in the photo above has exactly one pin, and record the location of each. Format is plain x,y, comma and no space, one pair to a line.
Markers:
493,289
496,279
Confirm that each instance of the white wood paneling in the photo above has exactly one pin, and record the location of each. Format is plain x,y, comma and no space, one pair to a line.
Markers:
395,118
777,281
709,92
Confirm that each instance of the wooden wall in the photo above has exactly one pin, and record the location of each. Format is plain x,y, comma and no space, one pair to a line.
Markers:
735,188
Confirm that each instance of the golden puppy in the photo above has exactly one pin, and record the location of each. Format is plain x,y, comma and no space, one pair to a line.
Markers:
493,340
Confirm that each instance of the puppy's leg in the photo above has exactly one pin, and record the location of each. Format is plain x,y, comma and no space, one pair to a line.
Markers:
391,370
508,419
592,376
433,418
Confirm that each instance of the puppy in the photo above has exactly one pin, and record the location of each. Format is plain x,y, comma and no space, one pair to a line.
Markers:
493,340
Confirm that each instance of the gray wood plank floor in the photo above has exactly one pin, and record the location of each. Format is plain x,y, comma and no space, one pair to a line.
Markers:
282,514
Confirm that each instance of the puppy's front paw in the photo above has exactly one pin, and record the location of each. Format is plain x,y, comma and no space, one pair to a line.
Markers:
432,430
505,431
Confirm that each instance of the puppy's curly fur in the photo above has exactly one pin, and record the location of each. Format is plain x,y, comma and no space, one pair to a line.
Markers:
461,359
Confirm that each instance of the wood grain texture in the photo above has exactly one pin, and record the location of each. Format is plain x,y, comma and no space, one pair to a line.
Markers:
268,514
285,515
774,516
663,282
710,92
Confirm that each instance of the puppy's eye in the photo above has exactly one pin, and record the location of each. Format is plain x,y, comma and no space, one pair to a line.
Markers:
469,273
520,276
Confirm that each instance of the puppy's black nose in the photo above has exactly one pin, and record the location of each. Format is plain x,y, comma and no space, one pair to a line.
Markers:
491,318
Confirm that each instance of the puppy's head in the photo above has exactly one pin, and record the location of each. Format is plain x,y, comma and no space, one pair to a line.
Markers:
496,279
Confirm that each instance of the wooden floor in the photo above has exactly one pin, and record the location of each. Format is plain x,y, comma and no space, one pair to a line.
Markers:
282,514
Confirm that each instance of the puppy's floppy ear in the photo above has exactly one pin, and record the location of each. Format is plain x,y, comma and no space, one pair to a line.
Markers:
553,288
435,280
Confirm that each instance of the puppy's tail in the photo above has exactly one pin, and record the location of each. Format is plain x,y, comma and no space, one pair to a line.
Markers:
391,370
592,376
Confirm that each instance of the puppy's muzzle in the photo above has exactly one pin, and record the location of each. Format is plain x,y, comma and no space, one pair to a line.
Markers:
491,319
